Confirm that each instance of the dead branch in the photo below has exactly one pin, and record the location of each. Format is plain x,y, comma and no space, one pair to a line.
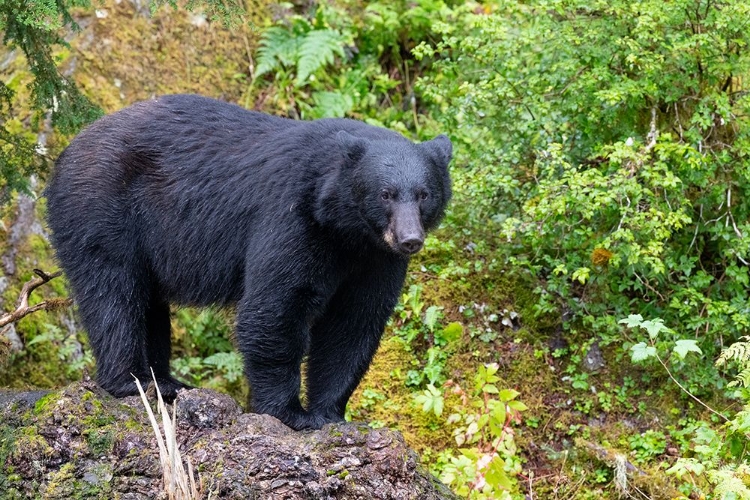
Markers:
23,308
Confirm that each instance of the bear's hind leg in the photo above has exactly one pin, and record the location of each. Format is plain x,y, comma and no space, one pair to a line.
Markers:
159,349
112,304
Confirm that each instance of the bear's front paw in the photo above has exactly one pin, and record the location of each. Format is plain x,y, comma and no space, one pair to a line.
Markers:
168,386
302,420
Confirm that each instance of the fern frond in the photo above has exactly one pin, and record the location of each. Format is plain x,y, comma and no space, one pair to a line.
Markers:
331,104
739,352
318,48
742,378
277,46
727,480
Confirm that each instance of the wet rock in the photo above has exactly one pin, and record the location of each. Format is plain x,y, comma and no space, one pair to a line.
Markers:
81,439
206,409
594,359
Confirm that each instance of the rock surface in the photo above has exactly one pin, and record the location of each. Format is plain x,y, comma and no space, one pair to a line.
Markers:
81,443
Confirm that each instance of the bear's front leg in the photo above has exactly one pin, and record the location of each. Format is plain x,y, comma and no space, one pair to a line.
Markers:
273,335
273,347
346,338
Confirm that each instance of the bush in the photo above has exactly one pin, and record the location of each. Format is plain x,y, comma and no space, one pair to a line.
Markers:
608,142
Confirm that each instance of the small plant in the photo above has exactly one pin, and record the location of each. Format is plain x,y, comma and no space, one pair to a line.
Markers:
482,418
647,445
651,349
431,400
300,48
717,467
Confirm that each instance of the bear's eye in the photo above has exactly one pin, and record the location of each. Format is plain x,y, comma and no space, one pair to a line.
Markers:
423,195
385,195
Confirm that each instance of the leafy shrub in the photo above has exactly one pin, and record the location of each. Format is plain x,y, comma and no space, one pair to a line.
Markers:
344,60
608,142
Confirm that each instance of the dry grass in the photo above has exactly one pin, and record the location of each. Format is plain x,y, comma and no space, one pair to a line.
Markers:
178,483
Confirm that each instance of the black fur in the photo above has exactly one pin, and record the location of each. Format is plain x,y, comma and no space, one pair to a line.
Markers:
305,225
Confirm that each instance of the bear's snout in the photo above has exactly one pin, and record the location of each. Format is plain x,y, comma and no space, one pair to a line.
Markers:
405,228
411,245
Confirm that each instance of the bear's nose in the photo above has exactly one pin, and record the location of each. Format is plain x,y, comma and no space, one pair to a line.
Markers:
411,245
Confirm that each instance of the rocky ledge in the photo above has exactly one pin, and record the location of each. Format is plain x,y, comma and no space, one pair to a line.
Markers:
81,443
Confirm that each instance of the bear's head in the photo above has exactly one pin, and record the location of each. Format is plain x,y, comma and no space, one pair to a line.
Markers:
400,189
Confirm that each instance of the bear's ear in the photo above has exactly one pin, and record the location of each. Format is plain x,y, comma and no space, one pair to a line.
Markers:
353,147
440,149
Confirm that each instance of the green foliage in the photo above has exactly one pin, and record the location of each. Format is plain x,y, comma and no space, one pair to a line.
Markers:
647,445
36,27
302,48
608,143
204,353
431,399
341,60
642,350
482,422
228,12
739,355
419,328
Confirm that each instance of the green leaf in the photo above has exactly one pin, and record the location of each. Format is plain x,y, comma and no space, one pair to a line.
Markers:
431,399
453,331
517,405
331,104
641,351
632,321
499,413
581,275
684,346
508,394
653,327
431,316
277,45
496,475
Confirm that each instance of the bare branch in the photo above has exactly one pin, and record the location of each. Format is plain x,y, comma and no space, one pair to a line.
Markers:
22,305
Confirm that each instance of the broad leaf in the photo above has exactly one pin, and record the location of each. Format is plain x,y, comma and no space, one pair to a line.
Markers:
632,321
684,346
641,351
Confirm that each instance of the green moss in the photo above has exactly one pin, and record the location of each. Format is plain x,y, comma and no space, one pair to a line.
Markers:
61,483
29,442
100,442
45,402
7,444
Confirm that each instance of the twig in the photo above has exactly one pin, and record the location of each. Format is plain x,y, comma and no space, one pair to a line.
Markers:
725,419
22,305
653,133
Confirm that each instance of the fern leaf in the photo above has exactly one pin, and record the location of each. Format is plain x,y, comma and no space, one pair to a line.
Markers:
742,378
331,104
739,351
318,48
277,46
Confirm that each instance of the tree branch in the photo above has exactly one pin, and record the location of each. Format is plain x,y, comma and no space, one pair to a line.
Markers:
22,305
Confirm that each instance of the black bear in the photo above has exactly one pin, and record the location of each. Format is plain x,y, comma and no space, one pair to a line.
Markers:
305,226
